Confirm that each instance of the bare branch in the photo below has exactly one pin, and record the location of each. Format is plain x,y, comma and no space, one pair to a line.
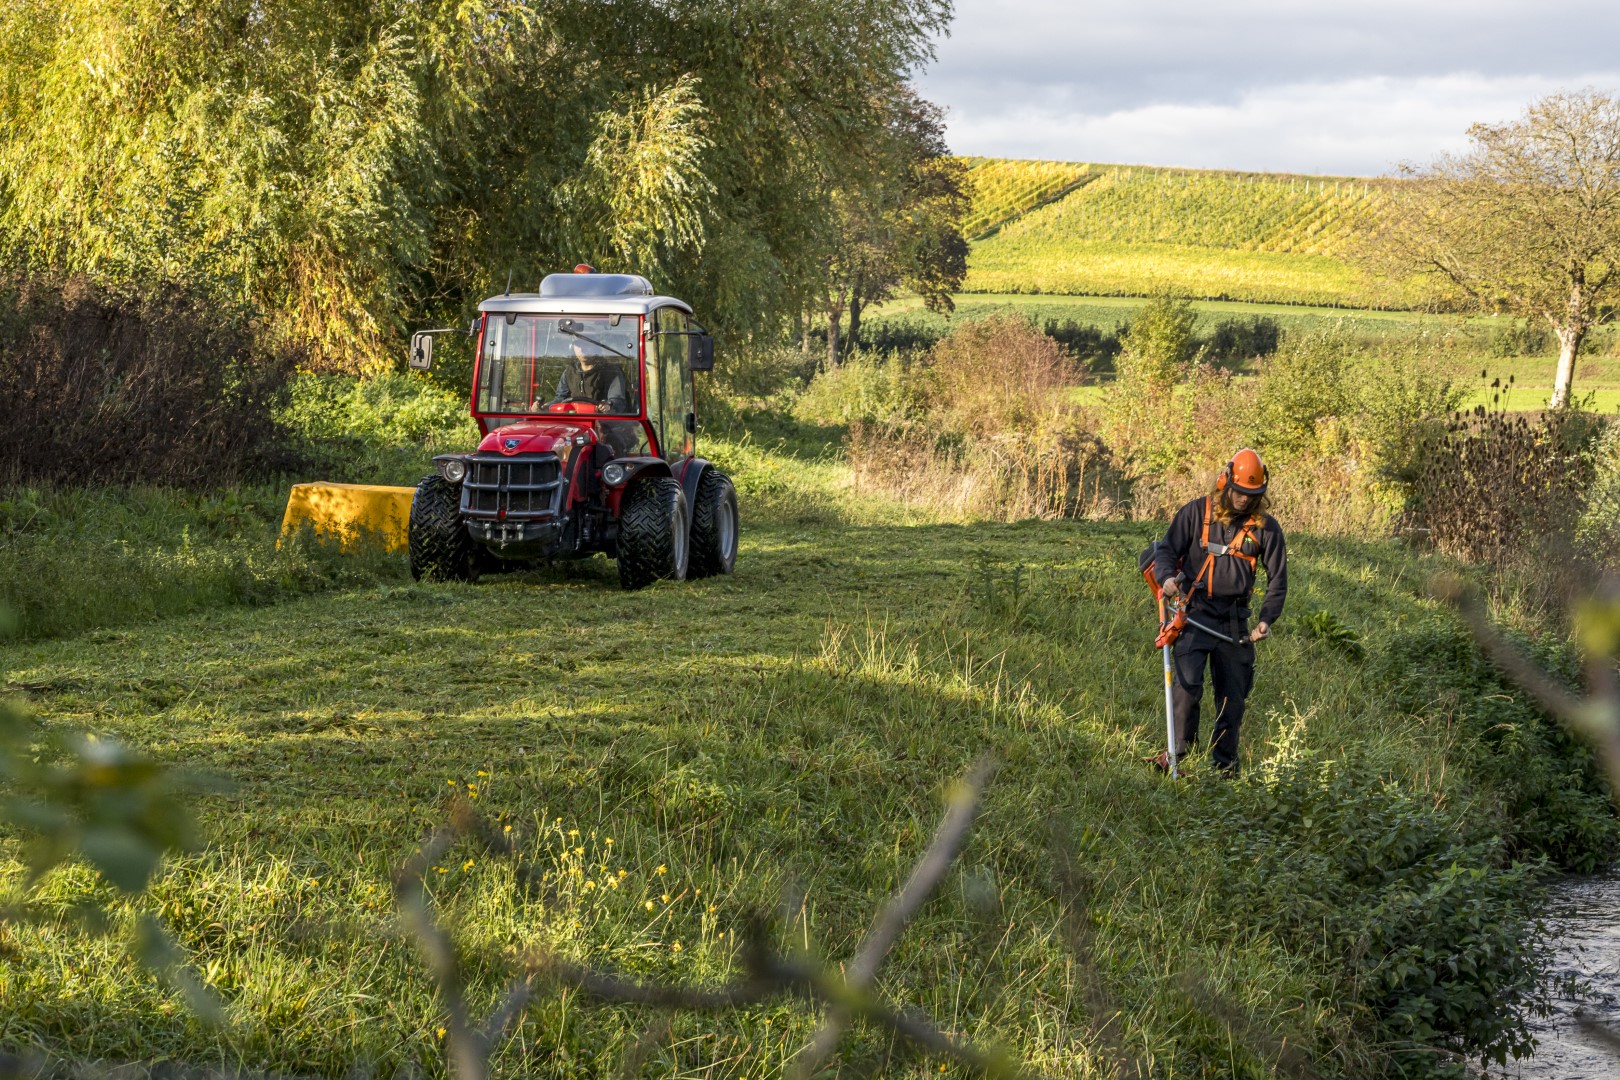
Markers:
962,806
1595,719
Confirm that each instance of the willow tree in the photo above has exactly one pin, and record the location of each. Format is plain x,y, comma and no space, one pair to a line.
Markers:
1528,219
345,169
896,220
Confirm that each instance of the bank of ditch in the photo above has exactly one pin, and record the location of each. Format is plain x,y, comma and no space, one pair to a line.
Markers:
1361,904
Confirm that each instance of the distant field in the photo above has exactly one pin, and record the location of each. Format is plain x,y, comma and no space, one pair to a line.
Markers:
1131,230
1470,359
1004,190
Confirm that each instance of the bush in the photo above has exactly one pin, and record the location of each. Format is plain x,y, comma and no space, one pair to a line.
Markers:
1598,531
1506,488
865,387
1432,933
1549,798
1234,340
994,376
159,388
1088,345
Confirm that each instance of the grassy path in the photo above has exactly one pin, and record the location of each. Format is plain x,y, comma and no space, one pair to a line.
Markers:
678,757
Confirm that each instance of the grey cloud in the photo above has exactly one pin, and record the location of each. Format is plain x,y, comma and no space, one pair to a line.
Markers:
1265,84
1126,55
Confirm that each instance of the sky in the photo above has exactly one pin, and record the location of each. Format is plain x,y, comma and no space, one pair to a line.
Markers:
1348,88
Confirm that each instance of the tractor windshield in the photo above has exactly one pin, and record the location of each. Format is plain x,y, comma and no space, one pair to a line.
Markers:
535,364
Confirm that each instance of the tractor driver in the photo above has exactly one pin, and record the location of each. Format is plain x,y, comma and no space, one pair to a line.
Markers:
593,379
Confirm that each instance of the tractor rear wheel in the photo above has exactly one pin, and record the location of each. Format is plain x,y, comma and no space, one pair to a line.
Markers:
440,549
652,533
714,526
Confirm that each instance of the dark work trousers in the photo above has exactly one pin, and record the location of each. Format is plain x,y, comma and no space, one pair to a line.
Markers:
1232,668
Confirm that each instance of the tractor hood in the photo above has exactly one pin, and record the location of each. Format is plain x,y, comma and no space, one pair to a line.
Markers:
532,437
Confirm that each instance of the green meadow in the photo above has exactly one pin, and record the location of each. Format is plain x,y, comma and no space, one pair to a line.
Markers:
673,761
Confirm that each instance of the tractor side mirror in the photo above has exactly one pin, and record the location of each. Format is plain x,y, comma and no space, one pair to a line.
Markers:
700,352
421,357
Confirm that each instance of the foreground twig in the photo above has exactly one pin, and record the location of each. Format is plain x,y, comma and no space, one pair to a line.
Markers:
767,976
1596,717
961,809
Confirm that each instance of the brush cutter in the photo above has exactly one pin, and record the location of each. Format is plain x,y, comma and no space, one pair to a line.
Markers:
1173,619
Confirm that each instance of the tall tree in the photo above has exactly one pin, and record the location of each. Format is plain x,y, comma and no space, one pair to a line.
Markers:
896,219
1527,219
347,168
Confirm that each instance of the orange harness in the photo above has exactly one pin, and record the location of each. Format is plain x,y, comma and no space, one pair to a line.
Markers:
1206,573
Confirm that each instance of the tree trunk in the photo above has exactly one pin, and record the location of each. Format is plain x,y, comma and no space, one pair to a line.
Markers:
832,338
854,322
1569,344
802,321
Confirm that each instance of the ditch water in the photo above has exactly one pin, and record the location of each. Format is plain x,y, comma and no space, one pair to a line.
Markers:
1585,919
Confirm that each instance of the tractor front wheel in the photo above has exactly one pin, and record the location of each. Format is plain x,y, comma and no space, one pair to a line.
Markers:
440,549
652,533
714,525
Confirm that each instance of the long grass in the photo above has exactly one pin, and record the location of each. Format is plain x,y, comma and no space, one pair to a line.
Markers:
674,758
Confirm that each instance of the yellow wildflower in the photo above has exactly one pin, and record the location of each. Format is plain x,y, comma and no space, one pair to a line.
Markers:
468,865
676,946
662,870
665,898
649,905
481,772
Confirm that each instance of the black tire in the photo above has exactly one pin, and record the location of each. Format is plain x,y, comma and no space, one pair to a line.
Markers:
653,533
714,526
440,548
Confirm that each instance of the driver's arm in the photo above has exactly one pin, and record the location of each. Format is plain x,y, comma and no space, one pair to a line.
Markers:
562,388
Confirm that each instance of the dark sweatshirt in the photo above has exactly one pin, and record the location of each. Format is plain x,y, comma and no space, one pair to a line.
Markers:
1228,596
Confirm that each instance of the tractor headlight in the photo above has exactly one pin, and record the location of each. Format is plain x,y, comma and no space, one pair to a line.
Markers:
455,471
613,474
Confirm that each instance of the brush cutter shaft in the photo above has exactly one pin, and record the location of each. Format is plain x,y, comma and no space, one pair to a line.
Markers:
1170,716
1216,633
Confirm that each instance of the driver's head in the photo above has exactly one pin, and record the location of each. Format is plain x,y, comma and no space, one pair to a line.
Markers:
581,357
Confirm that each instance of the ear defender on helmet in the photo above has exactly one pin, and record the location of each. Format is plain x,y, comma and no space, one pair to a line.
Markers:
1245,473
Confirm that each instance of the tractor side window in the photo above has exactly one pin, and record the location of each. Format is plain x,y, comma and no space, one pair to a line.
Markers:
675,383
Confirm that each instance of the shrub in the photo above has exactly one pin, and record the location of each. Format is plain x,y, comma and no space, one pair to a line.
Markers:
994,376
865,387
1233,340
1598,531
1505,488
154,388
1432,933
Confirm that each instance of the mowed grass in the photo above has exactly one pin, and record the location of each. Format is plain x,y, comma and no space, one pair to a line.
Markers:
676,758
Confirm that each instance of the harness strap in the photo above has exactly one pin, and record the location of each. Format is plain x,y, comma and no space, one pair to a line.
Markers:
1206,573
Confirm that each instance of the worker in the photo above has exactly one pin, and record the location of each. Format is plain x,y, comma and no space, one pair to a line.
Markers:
1220,540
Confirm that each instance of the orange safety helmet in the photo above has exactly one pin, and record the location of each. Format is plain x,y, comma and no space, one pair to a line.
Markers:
1246,473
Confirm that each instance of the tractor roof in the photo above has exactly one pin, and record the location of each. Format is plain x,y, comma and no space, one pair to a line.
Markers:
535,304
585,293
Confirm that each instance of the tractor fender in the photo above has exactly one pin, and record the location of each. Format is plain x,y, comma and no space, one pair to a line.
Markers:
639,465
691,472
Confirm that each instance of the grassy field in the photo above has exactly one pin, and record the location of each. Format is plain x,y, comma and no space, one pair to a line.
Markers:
1133,230
1469,351
674,759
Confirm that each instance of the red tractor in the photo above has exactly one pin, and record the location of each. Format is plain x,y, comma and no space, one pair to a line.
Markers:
583,394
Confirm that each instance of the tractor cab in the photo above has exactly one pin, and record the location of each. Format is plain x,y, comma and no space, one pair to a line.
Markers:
583,394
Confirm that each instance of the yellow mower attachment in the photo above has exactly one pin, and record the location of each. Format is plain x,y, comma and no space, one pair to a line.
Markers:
354,515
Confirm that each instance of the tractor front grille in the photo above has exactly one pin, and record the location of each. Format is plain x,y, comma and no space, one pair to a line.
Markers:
528,486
